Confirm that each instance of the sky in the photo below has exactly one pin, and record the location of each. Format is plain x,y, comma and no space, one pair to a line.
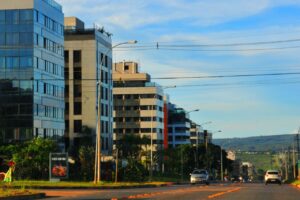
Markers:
238,106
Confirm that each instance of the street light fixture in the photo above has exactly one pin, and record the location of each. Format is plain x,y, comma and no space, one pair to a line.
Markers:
97,172
209,122
196,110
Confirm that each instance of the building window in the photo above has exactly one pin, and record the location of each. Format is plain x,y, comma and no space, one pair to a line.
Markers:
66,108
77,126
26,16
77,56
2,17
67,125
12,17
66,54
77,73
126,67
77,91
77,108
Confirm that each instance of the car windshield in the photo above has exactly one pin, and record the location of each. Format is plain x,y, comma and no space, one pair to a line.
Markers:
199,172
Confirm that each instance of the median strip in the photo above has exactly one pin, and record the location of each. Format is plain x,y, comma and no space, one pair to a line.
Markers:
223,193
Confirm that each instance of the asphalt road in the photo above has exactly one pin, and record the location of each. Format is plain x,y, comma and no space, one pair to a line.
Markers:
246,191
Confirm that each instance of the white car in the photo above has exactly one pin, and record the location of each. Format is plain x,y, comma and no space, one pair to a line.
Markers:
199,176
273,176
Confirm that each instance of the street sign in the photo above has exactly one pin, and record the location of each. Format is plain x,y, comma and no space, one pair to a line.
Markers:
58,166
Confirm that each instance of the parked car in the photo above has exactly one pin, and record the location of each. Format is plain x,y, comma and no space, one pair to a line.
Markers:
273,176
199,176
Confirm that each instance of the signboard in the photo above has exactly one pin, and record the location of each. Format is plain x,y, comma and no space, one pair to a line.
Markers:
58,166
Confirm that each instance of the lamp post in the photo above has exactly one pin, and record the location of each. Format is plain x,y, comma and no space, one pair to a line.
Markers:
209,122
97,172
221,159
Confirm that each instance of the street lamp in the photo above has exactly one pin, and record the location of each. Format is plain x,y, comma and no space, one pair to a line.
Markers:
196,110
209,122
97,172
222,175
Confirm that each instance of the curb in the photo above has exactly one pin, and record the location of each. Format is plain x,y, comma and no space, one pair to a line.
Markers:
25,197
97,187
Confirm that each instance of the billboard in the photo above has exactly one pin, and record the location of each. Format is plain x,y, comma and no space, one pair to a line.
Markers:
58,166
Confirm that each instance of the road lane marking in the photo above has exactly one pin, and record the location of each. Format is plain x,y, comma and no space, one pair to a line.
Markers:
223,193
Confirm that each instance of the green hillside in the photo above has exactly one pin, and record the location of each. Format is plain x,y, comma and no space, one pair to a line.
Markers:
273,143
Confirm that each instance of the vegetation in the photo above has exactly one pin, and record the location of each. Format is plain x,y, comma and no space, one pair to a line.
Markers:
70,184
32,160
273,143
182,160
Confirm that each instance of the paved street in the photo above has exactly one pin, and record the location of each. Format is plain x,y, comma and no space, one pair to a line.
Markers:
198,192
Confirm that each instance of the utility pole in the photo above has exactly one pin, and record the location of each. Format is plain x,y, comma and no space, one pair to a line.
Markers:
222,176
294,161
286,167
117,161
298,146
151,146
181,163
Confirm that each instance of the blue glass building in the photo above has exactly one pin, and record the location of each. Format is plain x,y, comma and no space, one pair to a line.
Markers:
31,70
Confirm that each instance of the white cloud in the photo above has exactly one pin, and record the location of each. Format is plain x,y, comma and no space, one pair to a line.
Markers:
129,14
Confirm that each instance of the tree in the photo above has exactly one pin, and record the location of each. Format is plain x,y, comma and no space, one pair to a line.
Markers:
130,147
86,160
32,158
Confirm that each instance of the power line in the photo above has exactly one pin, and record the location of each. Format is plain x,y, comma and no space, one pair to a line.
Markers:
208,50
158,46
172,77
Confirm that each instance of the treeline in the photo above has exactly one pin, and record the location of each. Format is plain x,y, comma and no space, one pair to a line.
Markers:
32,160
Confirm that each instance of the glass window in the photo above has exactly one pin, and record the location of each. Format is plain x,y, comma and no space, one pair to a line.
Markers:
2,64
2,39
77,108
2,17
26,16
77,56
12,39
12,16
66,54
36,16
26,39
26,62
12,62
77,126
26,86
41,18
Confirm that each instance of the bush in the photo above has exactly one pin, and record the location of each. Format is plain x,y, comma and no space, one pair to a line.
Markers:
134,171
31,158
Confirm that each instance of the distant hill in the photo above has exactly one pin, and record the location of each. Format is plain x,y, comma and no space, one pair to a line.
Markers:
273,143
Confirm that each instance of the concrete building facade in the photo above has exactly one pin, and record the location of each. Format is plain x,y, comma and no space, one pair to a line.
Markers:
197,136
88,60
138,104
31,70
178,126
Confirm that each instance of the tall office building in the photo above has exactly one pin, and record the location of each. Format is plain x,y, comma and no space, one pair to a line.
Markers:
31,70
138,104
88,58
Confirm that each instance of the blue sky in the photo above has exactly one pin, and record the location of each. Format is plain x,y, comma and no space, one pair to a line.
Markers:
240,107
